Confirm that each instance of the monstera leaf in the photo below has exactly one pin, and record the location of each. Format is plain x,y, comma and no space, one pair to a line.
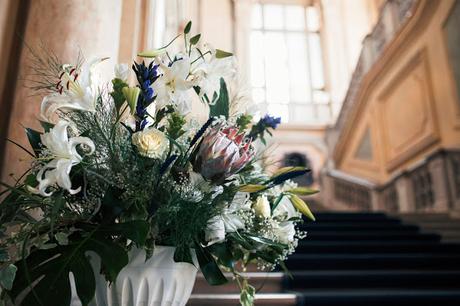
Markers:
44,275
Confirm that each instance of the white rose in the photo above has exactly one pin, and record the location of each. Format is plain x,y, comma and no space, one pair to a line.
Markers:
151,143
262,207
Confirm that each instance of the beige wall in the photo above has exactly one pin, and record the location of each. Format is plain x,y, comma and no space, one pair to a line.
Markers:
408,100
92,26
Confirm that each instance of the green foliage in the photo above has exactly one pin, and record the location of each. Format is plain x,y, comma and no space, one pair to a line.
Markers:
46,126
34,140
55,264
221,106
243,122
188,27
222,54
176,124
247,294
7,274
194,40
117,93
209,267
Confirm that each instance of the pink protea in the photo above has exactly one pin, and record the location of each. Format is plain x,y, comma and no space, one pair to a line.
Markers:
223,152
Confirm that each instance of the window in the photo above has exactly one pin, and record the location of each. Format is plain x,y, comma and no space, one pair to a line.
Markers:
287,73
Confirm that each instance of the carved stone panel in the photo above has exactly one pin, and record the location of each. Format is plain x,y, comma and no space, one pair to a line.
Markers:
407,113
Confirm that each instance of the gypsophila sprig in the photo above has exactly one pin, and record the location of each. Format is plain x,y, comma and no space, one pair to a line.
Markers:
121,166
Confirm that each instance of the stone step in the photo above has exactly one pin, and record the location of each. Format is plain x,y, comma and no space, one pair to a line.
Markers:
264,282
278,299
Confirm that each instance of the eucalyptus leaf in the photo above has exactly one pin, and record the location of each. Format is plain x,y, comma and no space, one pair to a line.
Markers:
222,53
194,40
4,255
188,27
7,275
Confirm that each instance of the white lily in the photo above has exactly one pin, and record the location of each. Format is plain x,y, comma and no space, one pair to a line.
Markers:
63,154
229,221
285,231
209,73
172,85
77,90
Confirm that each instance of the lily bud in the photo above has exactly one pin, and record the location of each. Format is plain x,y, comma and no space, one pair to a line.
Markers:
131,95
152,53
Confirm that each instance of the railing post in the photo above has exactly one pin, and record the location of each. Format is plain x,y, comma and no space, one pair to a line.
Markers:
405,190
376,200
437,168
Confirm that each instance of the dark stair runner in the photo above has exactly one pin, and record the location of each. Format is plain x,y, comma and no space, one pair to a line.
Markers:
370,259
356,259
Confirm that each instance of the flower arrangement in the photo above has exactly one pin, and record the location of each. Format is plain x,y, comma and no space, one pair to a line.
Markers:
126,165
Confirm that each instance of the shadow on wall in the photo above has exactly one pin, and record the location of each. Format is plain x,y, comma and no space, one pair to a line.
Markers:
296,159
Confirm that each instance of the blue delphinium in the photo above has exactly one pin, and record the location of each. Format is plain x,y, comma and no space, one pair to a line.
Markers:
269,121
264,125
145,75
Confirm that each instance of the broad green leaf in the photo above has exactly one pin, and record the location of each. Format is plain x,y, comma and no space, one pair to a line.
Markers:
194,40
188,27
221,107
34,140
209,267
222,54
7,274
301,206
50,269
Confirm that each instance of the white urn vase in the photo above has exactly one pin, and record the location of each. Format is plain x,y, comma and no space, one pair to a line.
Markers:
159,281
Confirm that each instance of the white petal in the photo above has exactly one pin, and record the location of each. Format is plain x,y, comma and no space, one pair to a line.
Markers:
215,232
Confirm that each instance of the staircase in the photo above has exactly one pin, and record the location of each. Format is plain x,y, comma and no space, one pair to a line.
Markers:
356,259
